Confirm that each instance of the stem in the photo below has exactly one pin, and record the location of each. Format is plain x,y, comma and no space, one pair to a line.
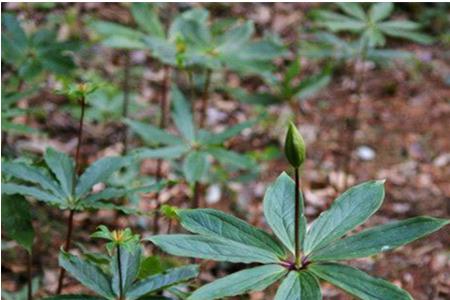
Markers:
74,179
29,265
205,96
62,271
126,100
352,123
119,267
164,107
196,195
297,218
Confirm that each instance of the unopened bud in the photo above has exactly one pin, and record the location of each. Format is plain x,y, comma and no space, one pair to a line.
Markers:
294,147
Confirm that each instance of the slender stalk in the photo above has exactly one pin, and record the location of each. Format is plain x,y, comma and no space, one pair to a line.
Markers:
29,275
196,195
164,107
119,267
126,100
205,96
74,179
202,119
297,218
352,123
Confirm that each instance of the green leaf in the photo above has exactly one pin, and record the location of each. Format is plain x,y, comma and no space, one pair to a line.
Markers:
358,283
31,174
153,135
74,297
211,247
349,210
88,274
99,171
195,166
110,30
160,281
279,210
313,84
380,11
170,152
182,115
379,239
299,286
147,18
226,134
249,280
216,223
231,158
62,167
337,22
38,194
129,262
16,220
400,29
14,39
233,39
162,49
353,9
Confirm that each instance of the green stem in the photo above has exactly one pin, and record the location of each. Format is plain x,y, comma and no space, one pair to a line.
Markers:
119,267
297,219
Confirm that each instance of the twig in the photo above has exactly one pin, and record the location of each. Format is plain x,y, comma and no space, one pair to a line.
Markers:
297,218
29,275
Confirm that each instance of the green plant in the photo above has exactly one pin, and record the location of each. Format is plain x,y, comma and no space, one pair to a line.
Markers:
298,257
372,26
32,54
194,146
120,280
287,89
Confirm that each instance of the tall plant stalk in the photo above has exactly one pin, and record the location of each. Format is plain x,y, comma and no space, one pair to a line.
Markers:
352,123
164,108
196,193
62,271
29,275
119,268
126,100
297,218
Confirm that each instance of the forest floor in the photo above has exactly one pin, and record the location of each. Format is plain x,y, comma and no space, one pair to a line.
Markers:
403,137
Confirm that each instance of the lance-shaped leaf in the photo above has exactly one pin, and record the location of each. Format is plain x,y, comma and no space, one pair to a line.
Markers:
16,220
380,11
129,262
88,274
195,166
170,152
358,283
231,158
38,194
216,223
182,115
299,286
62,167
349,210
228,133
379,239
211,247
233,39
33,175
249,280
279,210
153,135
99,171
146,17
74,297
159,281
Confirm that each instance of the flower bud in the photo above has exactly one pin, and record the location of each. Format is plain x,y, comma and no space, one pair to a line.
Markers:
294,147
